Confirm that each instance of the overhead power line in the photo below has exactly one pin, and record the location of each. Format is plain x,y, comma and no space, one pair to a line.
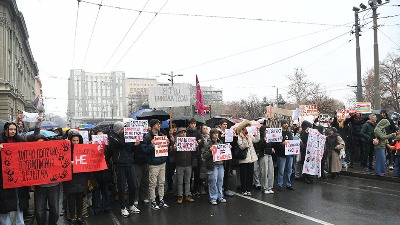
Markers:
278,61
389,38
76,27
126,34
384,17
221,17
155,15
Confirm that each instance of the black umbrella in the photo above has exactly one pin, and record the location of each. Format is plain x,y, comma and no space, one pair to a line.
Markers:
154,114
183,121
215,121
105,126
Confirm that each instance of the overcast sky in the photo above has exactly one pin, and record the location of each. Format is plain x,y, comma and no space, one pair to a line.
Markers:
177,41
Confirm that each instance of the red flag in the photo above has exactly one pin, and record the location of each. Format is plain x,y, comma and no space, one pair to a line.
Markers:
199,98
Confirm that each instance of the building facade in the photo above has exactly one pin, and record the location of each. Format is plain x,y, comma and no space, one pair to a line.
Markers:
18,69
211,95
137,92
95,97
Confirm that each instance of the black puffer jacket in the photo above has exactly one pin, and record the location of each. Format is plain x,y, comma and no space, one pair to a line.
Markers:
122,153
8,197
263,148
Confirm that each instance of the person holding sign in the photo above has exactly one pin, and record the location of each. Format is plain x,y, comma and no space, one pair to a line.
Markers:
215,170
226,136
196,163
246,143
284,161
12,199
122,155
183,168
264,152
156,164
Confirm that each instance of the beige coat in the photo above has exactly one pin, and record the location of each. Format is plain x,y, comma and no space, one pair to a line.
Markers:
248,143
336,166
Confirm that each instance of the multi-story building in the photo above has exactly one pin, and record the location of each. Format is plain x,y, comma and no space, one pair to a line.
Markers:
95,97
211,95
18,69
137,92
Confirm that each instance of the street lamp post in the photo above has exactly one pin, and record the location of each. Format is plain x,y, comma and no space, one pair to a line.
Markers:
172,75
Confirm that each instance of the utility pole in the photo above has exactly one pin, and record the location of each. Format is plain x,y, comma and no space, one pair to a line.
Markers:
377,96
358,54
172,84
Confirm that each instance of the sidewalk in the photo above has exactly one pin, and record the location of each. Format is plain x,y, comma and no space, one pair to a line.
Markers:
359,171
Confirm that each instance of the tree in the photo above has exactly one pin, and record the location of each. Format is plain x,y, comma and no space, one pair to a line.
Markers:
300,88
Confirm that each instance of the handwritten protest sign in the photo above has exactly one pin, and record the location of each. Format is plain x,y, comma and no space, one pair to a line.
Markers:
173,96
309,110
89,158
35,163
184,144
342,114
161,146
30,117
252,130
273,134
85,136
101,139
292,147
133,134
229,135
314,152
221,152
130,122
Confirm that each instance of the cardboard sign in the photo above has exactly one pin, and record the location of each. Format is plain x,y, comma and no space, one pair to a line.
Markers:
221,152
100,139
185,144
363,107
292,147
85,136
161,146
273,134
30,117
36,163
343,114
314,152
309,110
89,158
229,135
133,134
173,96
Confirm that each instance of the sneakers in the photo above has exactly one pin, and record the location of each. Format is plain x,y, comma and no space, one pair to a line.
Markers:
213,202
222,200
271,191
290,188
229,193
124,213
180,199
189,199
146,201
162,204
134,209
154,205
391,167
136,203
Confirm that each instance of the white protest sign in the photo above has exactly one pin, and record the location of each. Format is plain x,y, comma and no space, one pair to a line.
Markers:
314,152
173,96
161,146
292,147
184,144
252,130
229,135
100,139
30,117
221,152
133,134
85,136
137,123
273,134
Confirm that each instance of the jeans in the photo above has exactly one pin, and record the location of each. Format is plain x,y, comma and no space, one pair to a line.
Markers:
183,174
44,196
156,178
19,216
126,174
368,154
101,199
380,168
267,172
257,172
246,176
142,182
215,180
396,165
285,170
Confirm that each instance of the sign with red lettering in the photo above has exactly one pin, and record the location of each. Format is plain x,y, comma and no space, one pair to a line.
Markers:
89,158
161,146
36,163
292,147
342,114
273,134
221,152
184,144
133,134
309,110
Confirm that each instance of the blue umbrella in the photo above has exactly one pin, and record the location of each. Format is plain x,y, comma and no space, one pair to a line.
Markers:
45,133
49,125
140,111
165,124
88,126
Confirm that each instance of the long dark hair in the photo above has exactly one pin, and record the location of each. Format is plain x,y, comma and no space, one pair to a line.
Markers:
6,126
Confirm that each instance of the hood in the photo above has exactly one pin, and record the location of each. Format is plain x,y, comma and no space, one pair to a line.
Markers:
383,123
242,126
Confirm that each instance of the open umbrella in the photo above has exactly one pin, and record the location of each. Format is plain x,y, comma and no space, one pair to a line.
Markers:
181,121
138,112
45,133
88,126
49,125
105,126
216,120
154,114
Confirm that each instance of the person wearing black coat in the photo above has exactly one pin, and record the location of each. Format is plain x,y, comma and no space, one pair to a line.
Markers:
355,123
192,131
12,199
264,153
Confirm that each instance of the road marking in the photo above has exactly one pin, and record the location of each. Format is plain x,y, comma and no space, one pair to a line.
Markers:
114,219
361,189
285,210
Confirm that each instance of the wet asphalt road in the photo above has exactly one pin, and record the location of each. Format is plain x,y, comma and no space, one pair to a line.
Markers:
346,200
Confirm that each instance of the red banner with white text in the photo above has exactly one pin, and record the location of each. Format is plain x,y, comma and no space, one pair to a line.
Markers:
89,158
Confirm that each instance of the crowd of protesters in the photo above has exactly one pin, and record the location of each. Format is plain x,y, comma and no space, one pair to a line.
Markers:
136,176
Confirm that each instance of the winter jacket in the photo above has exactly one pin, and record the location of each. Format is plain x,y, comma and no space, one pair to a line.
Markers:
207,154
182,159
395,146
79,182
122,153
380,133
367,132
334,143
149,150
8,197
263,148
279,147
248,143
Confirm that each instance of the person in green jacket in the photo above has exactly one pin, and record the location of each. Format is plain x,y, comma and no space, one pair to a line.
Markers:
380,134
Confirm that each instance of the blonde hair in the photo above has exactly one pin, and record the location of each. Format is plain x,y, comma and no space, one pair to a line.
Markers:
341,123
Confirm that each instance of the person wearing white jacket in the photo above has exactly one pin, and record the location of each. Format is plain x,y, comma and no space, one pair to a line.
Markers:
246,143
